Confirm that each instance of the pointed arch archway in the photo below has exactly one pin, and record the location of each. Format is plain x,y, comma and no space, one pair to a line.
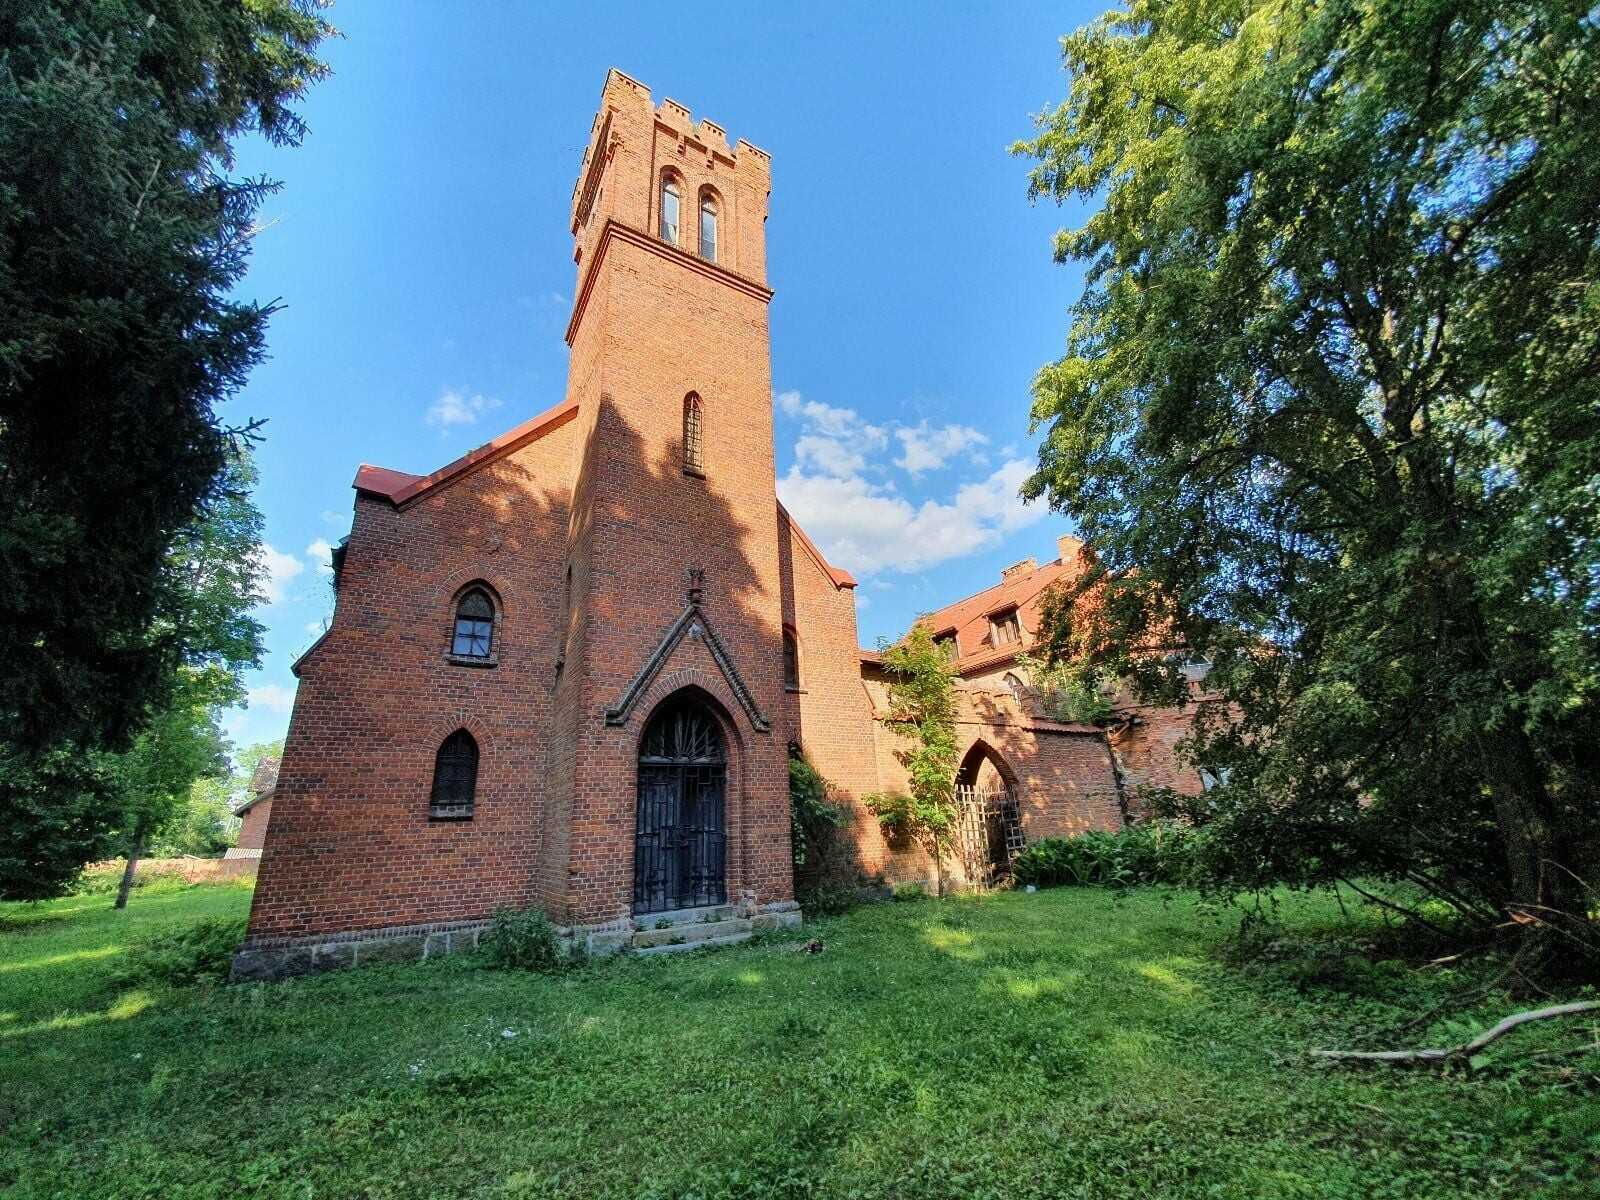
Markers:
989,815
984,767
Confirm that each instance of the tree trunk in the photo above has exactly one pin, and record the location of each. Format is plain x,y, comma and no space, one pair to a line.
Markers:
135,852
938,871
1530,828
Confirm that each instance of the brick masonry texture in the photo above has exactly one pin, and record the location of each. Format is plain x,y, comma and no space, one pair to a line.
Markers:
584,526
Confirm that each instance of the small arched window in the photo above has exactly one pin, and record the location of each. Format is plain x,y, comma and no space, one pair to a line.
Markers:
694,461
1014,686
708,227
455,778
791,659
474,630
669,210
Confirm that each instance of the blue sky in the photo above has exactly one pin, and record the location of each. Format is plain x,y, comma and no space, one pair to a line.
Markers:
420,249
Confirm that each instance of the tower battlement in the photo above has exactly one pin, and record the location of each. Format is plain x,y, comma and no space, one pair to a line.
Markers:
639,150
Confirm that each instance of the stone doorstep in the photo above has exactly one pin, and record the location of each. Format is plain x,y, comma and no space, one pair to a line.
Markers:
684,916
702,944
690,934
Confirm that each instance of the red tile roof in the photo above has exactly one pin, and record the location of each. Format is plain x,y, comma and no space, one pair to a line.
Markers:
969,618
841,578
399,487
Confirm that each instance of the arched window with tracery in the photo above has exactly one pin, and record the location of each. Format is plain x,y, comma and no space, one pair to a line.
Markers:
671,197
708,226
473,635
455,778
694,462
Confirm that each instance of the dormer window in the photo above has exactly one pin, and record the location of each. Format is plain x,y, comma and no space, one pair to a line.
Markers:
670,197
1004,628
708,227
946,642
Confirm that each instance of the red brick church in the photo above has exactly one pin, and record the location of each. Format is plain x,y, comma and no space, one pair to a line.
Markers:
569,668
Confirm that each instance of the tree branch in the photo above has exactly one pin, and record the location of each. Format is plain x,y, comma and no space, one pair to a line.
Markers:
1465,1048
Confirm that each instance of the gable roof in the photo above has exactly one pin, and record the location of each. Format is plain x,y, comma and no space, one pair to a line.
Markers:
262,783
841,578
399,487
968,618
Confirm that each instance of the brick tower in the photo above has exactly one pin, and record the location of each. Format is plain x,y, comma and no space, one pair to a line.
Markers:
671,598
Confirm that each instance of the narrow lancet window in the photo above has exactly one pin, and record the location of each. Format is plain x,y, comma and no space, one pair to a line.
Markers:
708,227
694,462
669,210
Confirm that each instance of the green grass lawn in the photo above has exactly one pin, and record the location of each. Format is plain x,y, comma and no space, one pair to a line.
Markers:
1069,1043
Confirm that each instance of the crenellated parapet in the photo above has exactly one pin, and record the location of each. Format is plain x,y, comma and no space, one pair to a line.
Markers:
647,163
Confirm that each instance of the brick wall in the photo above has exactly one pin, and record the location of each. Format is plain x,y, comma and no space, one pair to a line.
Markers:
253,828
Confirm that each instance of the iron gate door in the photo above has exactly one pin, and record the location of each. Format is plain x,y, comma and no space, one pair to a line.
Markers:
680,841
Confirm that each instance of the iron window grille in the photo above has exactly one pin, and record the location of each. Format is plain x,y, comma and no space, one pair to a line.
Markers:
455,778
693,436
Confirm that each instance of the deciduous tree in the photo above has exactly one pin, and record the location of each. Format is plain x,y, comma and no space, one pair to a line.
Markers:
1330,413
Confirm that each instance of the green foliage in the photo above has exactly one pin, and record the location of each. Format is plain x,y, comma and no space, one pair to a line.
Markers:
1039,1014
1329,414
811,817
523,940
59,810
1069,689
1149,852
921,710
71,805
829,898
123,241
179,955
909,893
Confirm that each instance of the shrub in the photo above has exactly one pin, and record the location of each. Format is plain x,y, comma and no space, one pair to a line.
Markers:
829,898
179,955
811,818
525,940
1149,852
908,892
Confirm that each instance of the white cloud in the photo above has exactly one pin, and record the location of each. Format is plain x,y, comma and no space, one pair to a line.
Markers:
315,628
828,455
321,555
455,407
869,528
855,511
924,448
337,520
271,696
277,570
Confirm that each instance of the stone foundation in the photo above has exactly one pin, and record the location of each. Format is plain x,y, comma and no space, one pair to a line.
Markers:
265,959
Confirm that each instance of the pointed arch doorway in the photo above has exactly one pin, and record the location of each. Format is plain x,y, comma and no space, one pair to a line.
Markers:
680,846
989,819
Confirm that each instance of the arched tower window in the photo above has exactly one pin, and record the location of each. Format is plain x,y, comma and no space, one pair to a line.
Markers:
708,226
474,628
1014,686
791,659
694,462
455,778
670,197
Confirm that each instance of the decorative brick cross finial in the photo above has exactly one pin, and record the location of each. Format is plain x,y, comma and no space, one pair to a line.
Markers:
697,583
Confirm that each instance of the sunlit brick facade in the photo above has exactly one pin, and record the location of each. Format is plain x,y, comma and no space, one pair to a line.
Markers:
630,563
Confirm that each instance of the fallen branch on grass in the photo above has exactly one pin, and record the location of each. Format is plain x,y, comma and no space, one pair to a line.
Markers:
1466,1048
